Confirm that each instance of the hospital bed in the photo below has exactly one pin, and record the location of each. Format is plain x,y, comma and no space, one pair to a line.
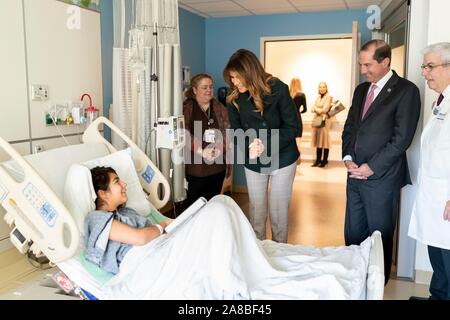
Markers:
32,190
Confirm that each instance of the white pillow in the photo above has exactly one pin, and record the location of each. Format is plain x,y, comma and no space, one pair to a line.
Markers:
79,195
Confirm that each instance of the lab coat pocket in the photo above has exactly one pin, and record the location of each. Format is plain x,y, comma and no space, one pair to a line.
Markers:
444,137
435,194
440,161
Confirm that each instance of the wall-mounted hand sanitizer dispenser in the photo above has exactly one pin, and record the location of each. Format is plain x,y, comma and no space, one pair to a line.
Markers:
170,132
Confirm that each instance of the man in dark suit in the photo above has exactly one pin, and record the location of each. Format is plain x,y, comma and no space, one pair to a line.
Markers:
380,127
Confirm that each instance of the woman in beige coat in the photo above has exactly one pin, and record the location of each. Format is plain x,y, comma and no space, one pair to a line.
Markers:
321,136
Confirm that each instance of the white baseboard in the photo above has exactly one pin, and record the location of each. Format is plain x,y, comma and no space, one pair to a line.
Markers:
423,277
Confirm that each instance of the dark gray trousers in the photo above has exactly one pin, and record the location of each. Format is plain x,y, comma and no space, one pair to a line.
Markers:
371,206
440,281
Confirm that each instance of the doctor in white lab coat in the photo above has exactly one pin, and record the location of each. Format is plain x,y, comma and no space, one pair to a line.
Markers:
430,220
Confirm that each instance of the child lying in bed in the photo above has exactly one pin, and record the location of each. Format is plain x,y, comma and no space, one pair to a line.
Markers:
113,229
214,255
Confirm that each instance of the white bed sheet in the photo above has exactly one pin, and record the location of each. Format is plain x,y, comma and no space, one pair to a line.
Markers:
200,261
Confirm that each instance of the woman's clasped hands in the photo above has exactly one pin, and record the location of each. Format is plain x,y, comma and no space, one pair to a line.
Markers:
256,148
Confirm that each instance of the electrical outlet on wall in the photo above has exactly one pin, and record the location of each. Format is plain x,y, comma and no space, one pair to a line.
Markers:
39,92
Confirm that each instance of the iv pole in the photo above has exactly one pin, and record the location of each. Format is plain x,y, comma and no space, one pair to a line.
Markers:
159,157
155,88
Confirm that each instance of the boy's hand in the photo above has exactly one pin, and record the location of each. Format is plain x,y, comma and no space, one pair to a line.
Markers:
166,222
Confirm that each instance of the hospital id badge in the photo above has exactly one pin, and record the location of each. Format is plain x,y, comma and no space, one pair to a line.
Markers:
209,136
441,116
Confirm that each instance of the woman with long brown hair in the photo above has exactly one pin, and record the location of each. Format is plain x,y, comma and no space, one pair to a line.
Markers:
261,107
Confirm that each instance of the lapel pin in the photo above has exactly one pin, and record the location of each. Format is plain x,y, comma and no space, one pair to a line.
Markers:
389,90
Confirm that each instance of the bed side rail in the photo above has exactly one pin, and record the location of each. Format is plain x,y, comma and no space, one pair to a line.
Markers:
149,175
43,222
375,272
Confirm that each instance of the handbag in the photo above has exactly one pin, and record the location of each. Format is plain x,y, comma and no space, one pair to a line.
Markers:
335,108
319,121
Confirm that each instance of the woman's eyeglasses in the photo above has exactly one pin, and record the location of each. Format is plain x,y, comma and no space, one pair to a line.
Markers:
206,87
430,67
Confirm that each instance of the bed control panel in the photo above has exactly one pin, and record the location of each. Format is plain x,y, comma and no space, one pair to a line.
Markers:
43,207
148,174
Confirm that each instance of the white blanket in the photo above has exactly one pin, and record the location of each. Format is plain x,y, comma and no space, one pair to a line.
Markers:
216,255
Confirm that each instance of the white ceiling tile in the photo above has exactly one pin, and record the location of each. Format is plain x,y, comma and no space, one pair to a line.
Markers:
318,2
264,4
323,8
319,5
358,4
365,2
225,6
274,11
197,1
229,14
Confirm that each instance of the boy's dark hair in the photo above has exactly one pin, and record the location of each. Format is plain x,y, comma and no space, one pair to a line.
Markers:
100,179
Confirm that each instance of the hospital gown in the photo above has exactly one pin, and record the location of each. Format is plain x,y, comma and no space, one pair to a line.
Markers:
101,251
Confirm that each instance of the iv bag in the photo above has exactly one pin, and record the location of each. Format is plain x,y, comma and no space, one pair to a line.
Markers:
136,46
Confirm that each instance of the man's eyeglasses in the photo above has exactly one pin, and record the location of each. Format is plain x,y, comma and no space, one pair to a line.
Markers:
430,67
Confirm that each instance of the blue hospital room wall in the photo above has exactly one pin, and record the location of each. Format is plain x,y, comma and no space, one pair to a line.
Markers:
225,35
206,44
192,41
